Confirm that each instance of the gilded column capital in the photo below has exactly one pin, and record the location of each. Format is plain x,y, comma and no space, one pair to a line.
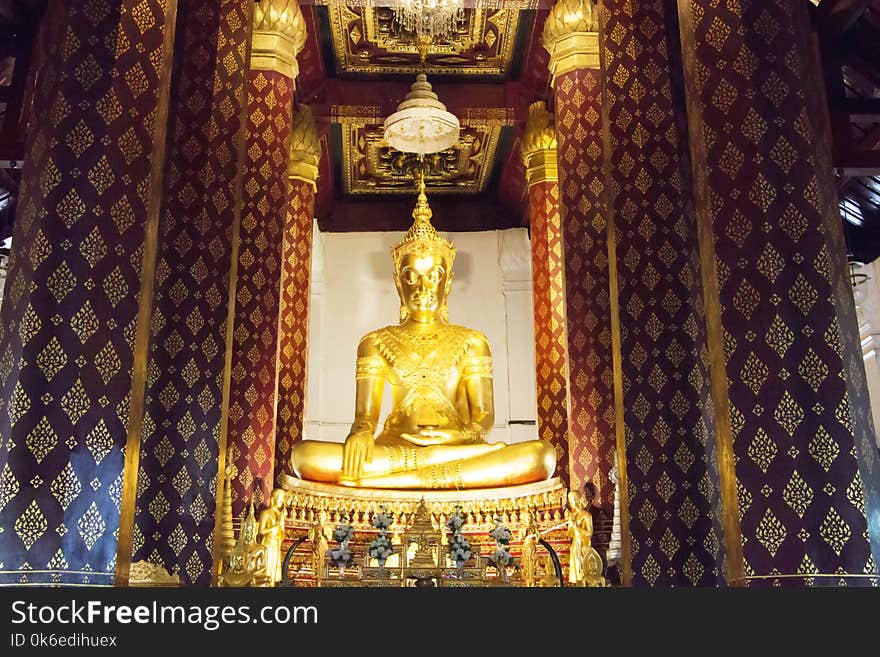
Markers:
538,145
278,37
571,36
305,147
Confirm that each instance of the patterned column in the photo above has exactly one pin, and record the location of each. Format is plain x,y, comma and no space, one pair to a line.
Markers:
293,319
782,326
673,491
279,33
548,284
571,37
75,318
183,423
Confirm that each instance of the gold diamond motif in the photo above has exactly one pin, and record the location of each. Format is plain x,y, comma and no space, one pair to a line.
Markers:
9,486
855,494
754,373
99,441
823,448
797,494
91,526
61,282
647,514
669,544
762,450
688,513
813,370
770,533
159,506
693,569
75,402
41,440
85,323
51,359
834,531
788,414
803,295
651,570
66,487
665,487
31,525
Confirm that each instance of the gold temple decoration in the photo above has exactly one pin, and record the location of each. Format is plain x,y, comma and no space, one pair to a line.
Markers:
305,147
144,573
366,39
226,536
538,145
571,36
278,37
426,560
422,238
370,164
307,500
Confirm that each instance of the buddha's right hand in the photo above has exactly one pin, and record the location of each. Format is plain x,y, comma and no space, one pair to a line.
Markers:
357,451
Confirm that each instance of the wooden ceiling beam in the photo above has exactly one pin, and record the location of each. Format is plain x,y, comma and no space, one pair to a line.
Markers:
857,163
457,214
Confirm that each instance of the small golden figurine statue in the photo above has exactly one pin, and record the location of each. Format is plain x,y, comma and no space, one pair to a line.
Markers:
247,563
271,533
529,554
584,563
320,545
442,403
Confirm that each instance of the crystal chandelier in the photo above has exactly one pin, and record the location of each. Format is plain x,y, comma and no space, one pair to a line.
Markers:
437,19
422,124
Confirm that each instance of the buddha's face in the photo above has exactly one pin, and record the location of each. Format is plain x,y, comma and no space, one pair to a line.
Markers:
424,282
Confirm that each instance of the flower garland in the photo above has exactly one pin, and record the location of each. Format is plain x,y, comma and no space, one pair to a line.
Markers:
501,558
380,548
343,533
459,547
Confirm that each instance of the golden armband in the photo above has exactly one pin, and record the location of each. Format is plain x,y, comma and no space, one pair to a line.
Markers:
477,366
369,367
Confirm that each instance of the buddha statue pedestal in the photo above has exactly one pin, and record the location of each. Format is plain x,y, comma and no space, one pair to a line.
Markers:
308,502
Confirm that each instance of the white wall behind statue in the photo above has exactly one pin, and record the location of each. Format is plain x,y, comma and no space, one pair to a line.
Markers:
353,293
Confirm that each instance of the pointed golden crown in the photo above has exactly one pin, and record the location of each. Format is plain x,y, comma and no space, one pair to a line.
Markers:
422,238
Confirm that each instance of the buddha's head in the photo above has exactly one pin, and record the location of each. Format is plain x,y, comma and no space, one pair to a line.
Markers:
423,268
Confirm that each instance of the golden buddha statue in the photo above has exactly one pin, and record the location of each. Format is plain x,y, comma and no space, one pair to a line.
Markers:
320,545
442,401
247,562
270,534
584,563
529,552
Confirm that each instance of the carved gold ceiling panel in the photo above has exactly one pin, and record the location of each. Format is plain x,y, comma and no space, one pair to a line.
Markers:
365,40
368,163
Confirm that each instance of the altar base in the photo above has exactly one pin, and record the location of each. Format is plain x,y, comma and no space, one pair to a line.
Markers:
305,502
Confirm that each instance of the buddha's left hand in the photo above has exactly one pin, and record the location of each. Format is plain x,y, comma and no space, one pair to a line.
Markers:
428,437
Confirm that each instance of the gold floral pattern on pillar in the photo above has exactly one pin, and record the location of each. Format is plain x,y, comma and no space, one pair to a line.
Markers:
571,37
538,147
673,489
806,462
305,153
252,410
177,481
67,343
